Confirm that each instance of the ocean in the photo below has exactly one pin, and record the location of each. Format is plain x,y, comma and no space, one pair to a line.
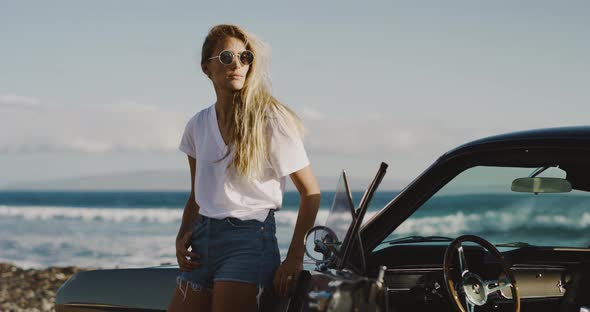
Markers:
112,229
137,229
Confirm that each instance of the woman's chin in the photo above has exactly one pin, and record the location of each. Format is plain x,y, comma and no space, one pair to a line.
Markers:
235,86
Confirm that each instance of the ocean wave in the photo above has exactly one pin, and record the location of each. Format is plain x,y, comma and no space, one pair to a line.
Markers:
450,224
152,215
110,249
494,222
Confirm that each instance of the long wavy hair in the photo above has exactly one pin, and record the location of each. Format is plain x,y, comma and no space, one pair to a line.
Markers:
254,108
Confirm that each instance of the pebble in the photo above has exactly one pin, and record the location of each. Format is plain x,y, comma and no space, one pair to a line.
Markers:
32,289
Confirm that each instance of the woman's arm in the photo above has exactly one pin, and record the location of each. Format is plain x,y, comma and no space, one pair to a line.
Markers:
189,216
309,194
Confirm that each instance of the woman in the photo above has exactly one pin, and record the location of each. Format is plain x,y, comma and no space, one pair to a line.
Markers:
240,150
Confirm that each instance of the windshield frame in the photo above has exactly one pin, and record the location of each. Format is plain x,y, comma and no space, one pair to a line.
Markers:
513,154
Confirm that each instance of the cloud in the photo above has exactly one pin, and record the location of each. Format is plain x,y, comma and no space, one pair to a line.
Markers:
370,134
11,100
27,125
309,113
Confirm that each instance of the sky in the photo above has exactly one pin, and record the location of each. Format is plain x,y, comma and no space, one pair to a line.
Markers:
105,87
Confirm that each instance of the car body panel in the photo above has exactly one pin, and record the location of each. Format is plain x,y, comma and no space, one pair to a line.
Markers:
142,288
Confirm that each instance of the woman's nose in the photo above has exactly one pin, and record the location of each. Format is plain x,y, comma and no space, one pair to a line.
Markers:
236,63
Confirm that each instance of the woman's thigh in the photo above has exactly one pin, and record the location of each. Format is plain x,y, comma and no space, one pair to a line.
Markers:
185,298
234,296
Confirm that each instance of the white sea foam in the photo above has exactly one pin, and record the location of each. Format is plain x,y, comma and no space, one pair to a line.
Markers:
153,215
490,221
430,225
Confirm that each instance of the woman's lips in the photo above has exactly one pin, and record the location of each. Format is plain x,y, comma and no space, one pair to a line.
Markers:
235,77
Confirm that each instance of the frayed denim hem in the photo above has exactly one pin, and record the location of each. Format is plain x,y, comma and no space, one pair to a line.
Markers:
194,286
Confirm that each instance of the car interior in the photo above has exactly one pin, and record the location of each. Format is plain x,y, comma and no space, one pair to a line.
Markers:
517,226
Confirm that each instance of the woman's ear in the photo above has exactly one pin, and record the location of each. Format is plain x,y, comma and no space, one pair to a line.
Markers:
205,70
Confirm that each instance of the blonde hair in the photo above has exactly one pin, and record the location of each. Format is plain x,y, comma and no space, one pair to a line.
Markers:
254,109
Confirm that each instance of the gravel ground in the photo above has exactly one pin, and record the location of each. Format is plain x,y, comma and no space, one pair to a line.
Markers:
32,289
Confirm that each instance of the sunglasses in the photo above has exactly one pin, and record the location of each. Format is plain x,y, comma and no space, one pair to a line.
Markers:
226,57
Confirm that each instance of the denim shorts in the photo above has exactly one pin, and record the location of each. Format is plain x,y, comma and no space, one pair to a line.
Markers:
231,249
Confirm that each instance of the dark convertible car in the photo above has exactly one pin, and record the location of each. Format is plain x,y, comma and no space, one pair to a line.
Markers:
497,224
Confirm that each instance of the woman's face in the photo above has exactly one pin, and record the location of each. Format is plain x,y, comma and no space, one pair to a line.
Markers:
227,77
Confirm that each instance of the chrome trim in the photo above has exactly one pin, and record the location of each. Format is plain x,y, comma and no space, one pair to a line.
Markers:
528,267
76,307
417,270
397,289
571,249
102,305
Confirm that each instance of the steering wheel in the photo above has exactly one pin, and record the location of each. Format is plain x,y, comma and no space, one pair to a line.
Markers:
471,286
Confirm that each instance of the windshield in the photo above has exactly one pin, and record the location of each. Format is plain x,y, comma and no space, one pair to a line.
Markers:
479,201
341,212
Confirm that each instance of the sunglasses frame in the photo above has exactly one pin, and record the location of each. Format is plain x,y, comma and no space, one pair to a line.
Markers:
239,55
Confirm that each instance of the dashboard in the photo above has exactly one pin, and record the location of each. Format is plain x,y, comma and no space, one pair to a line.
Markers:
414,276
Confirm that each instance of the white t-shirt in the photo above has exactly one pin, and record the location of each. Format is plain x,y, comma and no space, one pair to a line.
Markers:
221,192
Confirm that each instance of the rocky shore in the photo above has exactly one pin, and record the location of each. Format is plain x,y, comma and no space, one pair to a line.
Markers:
32,289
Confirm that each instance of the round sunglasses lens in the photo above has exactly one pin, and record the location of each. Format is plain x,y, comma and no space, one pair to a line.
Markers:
246,57
226,57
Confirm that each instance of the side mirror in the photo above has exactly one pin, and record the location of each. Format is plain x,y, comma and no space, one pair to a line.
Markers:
321,244
541,185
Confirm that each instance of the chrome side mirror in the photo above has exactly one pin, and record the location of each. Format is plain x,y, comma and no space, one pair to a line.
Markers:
321,244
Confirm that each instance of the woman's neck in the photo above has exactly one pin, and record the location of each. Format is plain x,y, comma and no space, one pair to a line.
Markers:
223,105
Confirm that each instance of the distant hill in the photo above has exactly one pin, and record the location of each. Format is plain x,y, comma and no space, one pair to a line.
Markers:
167,180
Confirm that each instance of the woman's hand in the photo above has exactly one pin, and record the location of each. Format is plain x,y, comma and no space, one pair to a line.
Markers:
286,275
182,253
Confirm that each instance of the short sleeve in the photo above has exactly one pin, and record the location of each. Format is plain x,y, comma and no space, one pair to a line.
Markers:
188,140
287,153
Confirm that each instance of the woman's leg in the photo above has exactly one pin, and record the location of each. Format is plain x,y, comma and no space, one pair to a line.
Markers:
185,298
229,296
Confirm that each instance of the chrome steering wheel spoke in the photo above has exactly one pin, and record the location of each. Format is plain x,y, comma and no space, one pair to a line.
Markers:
495,285
462,261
